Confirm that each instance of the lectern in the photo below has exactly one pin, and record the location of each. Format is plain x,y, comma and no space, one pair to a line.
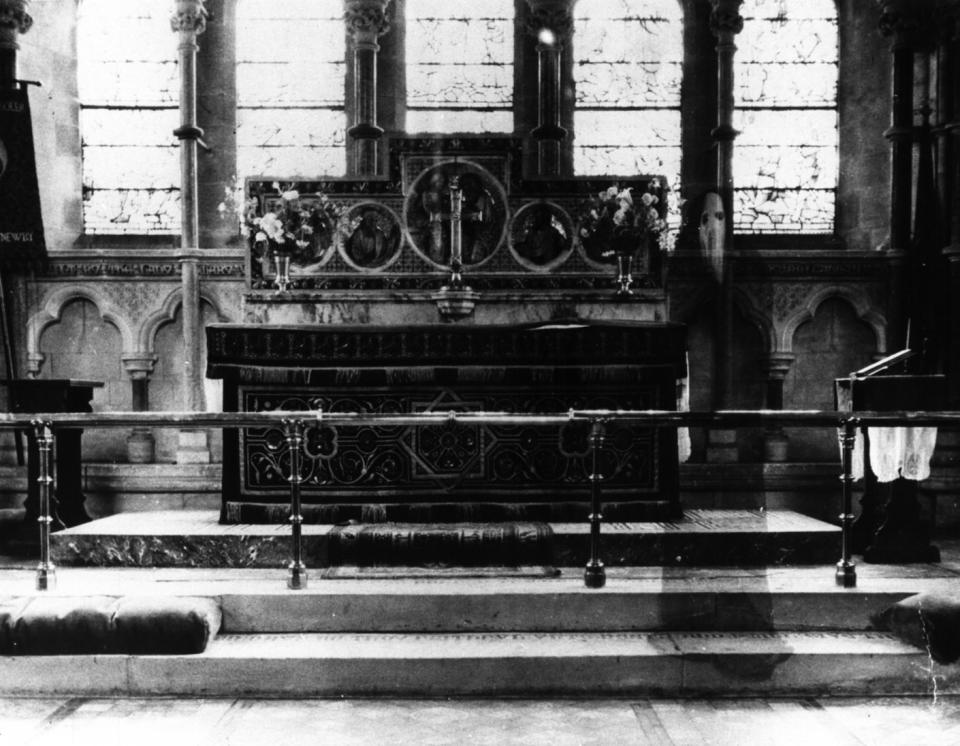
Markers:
29,395
889,527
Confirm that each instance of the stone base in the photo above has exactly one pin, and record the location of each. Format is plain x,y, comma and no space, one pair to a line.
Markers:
196,539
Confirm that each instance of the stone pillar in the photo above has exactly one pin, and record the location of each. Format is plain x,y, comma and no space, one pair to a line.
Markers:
189,21
14,20
775,441
550,24
141,443
899,21
725,23
366,22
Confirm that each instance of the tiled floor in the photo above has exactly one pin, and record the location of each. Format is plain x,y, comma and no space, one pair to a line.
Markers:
237,722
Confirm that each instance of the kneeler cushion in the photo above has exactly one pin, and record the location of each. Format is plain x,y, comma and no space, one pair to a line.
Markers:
56,625
158,625
928,620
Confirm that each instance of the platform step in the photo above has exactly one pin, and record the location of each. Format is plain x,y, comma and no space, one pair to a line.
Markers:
196,539
527,663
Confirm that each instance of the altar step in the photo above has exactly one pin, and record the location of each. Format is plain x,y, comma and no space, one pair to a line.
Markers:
700,538
501,664
651,632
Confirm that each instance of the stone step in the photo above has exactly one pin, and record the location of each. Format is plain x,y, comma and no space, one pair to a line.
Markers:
196,539
634,599
501,664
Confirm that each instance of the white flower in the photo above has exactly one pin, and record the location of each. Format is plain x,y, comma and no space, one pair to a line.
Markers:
611,193
290,195
260,237
625,198
649,199
619,216
222,208
272,226
276,185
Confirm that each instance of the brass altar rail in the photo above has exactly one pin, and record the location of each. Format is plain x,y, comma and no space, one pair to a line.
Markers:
45,425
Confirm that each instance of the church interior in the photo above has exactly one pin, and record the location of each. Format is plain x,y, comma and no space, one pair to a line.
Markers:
589,362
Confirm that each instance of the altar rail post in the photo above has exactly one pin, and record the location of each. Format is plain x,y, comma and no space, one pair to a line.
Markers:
846,570
46,573
594,576
293,429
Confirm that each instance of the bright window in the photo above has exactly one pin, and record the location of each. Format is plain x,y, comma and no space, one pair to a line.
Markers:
128,85
785,158
290,88
459,66
628,60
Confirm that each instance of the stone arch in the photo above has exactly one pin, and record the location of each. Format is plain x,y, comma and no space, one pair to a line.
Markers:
748,307
147,334
51,311
856,297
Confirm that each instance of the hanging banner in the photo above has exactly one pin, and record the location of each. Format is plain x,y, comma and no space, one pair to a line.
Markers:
21,225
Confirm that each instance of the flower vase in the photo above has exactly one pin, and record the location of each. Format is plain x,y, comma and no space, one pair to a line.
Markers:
281,264
624,276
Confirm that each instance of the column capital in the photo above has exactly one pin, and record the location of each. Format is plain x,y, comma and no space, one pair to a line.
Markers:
725,17
778,364
918,24
189,16
367,20
13,14
139,365
553,15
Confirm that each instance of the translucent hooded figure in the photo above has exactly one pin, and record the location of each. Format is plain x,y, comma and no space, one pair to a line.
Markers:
713,230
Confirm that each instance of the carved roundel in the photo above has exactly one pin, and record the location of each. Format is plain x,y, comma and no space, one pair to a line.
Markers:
541,235
370,236
426,213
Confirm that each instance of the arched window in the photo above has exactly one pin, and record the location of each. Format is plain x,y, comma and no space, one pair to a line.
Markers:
786,161
290,88
459,66
628,59
129,97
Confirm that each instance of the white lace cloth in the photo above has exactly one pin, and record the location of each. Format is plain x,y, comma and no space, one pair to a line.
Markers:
683,433
896,452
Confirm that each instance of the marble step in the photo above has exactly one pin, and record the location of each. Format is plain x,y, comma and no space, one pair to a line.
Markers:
501,664
196,539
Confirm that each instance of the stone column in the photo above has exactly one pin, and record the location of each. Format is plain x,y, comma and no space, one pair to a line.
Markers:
141,443
725,23
14,20
366,22
947,132
899,21
550,24
775,441
189,21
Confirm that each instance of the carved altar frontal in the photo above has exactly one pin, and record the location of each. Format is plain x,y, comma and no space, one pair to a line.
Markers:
453,471
393,233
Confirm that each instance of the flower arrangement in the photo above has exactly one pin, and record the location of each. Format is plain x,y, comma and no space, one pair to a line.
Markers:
292,225
618,221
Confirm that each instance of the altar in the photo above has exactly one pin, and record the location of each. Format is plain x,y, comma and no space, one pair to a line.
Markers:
455,471
453,282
